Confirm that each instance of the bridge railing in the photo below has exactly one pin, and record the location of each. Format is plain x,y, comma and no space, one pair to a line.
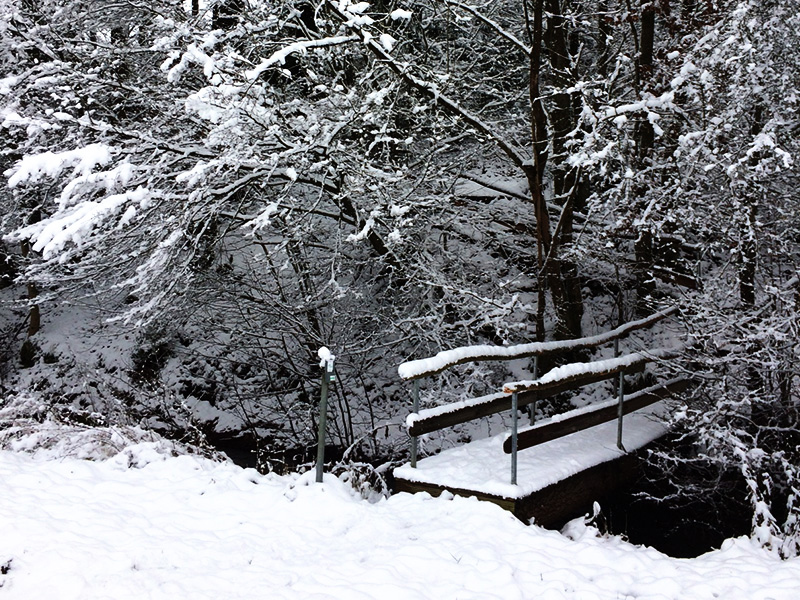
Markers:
516,395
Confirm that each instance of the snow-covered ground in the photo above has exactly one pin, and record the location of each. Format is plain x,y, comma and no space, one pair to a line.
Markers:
145,525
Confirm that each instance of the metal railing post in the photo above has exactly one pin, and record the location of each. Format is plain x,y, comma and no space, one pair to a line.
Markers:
414,440
621,395
619,410
514,427
327,369
532,407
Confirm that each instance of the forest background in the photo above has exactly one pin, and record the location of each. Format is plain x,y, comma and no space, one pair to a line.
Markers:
199,197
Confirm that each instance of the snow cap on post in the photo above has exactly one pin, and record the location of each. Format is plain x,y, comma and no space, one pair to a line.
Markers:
326,358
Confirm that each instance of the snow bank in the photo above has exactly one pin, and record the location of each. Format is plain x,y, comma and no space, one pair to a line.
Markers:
23,429
188,528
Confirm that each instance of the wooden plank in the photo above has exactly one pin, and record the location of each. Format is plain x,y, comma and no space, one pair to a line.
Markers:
541,348
413,487
547,431
503,403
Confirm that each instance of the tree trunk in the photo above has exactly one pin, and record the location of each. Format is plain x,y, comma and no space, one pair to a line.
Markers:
747,276
603,31
535,171
747,251
550,268
747,266
645,138
565,178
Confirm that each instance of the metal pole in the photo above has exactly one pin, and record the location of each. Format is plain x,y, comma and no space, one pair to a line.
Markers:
414,440
621,391
621,395
514,423
532,407
323,418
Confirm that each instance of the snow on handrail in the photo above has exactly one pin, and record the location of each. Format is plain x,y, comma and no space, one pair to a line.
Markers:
575,371
555,381
425,367
438,411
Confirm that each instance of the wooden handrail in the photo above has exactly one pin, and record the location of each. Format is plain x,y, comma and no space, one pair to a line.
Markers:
496,403
426,367
565,424
517,394
578,373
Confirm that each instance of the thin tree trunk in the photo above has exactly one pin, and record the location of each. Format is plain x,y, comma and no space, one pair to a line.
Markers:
747,278
747,267
645,138
603,31
535,171
548,264
565,178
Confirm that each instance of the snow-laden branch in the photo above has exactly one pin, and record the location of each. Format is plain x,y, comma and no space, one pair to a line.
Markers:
34,166
300,47
75,224
515,154
515,189
493,24
449,358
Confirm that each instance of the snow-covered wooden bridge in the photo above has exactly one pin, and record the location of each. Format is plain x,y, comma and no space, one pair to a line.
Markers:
576,457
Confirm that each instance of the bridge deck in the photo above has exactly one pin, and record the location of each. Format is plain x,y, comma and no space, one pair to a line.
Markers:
556,479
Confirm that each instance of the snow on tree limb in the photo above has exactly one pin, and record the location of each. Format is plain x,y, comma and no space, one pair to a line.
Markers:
493,24
75,224
518,158
35,166
300,47
449,358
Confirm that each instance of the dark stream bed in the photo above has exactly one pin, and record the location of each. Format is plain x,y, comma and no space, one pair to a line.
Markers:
683,513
